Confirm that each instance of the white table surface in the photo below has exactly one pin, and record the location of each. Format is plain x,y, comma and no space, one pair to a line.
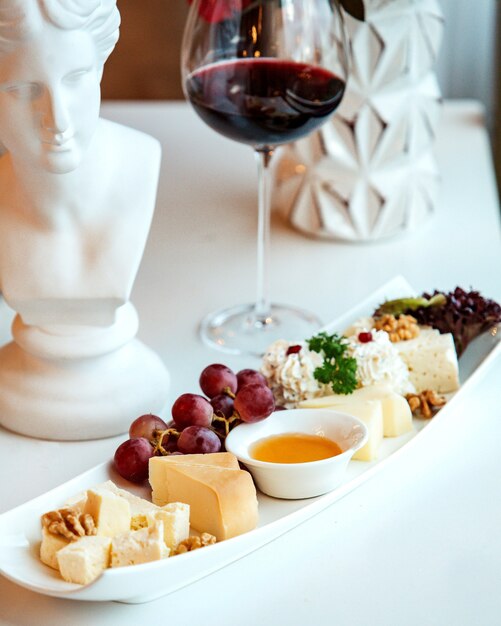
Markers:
419,544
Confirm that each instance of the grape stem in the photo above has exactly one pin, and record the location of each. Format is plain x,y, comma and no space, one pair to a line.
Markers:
227,421
159,439
227,391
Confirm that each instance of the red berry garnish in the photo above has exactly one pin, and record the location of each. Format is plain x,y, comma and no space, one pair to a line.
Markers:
293,350
365,337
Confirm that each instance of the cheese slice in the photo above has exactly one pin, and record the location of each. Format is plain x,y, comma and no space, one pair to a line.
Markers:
110,512
431,360
83,561
369,411
397,416
222,501
139,546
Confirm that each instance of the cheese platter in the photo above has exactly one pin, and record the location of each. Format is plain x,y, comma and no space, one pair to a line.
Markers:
20,531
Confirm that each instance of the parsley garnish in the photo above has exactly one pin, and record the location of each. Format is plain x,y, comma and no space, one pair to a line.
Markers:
339,371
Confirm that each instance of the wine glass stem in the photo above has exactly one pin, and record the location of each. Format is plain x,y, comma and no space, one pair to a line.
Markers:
262,309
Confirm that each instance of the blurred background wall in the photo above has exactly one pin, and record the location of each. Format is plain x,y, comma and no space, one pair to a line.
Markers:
145,63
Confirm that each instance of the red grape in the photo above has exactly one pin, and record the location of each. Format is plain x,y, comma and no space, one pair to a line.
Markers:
145,425
248,376
222,405
254,402
198,440
216,378
191,409
132,457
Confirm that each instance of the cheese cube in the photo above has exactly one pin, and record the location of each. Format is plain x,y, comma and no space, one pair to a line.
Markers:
222,501
397,416
176,522
139,546
158,463
50,546
82,561
139,507
111,513
431,360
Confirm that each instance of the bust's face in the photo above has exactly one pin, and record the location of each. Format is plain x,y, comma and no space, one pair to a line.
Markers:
49,99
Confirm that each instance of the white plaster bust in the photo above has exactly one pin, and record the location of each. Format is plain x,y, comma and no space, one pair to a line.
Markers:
77,192
77,195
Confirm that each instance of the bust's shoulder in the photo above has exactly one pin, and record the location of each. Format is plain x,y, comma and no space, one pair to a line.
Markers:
130,143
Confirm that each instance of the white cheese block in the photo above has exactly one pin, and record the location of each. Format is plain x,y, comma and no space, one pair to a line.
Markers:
82,561
431,360
175,516
397,416
50,546
110,512
139,546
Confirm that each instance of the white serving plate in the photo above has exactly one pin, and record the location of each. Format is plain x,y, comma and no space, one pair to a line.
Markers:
20,527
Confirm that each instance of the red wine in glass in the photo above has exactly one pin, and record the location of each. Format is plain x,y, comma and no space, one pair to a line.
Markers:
264,102
263,73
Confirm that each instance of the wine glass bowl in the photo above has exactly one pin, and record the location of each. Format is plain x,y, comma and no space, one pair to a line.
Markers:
263,73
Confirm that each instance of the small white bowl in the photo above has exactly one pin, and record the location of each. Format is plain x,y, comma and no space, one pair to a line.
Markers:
299,480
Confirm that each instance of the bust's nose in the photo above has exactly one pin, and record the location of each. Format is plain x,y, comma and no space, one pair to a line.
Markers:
55,119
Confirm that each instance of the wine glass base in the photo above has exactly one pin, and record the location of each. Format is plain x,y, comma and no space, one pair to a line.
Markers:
238,330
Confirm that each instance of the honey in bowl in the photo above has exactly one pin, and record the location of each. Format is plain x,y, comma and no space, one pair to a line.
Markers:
294,448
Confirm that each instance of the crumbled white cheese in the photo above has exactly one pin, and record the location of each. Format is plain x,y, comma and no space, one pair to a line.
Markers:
378,361
290,376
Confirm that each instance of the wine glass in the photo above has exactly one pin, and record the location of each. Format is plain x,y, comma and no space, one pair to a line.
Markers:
264,73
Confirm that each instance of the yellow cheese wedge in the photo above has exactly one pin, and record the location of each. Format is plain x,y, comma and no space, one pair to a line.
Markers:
82,561
218,459
397,416
158,464
222,501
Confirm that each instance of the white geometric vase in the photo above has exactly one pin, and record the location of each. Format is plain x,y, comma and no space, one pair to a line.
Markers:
370,172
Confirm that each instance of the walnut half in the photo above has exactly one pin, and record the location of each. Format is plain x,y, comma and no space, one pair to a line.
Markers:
194,543
426,403
399,328
69,523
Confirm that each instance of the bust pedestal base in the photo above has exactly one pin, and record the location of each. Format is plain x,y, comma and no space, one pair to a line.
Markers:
61,386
